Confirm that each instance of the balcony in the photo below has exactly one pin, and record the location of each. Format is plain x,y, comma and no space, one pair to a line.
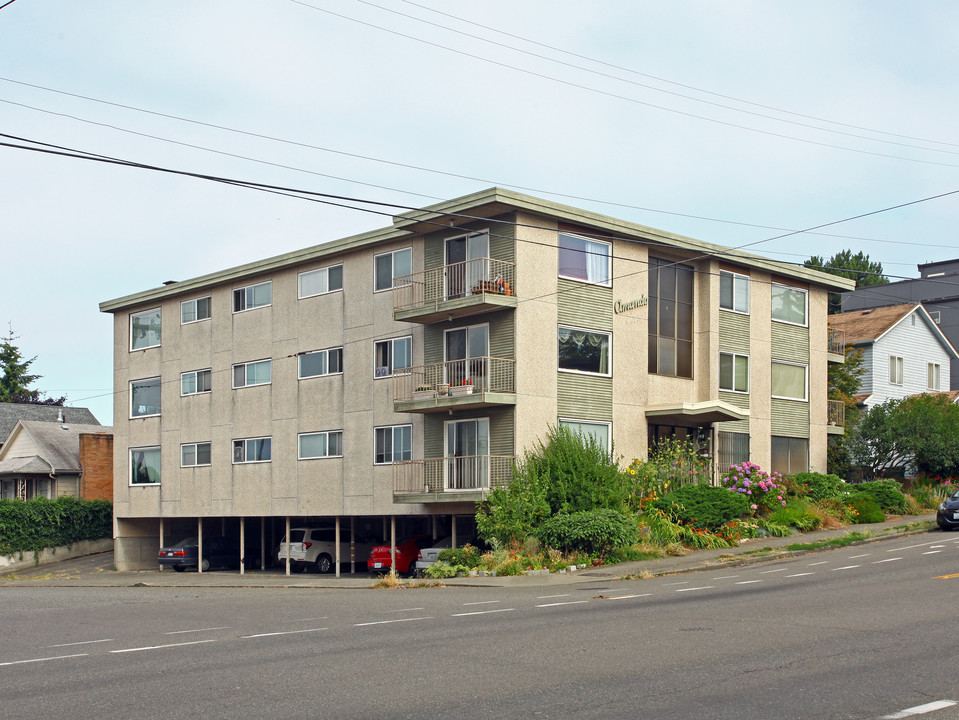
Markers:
835,417
472,287
455,385
836,348
450,479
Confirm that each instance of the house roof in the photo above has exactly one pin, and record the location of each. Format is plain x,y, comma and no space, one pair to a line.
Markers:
869,325
953,395
10,413
47,447
861,398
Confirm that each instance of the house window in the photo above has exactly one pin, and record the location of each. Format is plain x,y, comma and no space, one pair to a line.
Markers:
192,311
895,370
934,314
321,362
194,454
145,329
788,380
145,397
932,376
790,455
584,260
145,466
391,356
734,372
392,444
389,268
196,381
733,291
732,449
788,304
319,282
252,450
597,431
584,351
320,445
253,296
670,318
253,373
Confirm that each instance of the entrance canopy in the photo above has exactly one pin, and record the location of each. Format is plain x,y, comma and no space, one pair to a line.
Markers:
697,413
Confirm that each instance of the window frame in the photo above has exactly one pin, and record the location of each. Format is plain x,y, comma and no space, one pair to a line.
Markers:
130,473
568,422
789,453
935,315
159,407
659,311
196,447
326,351
392,429
392,370
244,461
609,259
792,288
327,433
252,287
735,356
196,309
805,368
196,376
135,315
393,276
933,369
609,351
245,365
326,271
735,278
897,369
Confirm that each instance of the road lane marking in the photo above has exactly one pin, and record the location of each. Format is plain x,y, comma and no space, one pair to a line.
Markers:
404,610
911,547
766,572
748,582
286,632
483,602
44,659
546,597
181,632
821,562
482,612
726,577
854,557
800,574
846,567
702,587
84,642
946,577
921,709
684,582
876,562
388,622
571,602
160,647
312,619
932,552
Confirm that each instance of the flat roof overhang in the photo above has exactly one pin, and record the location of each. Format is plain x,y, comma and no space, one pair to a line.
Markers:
697,413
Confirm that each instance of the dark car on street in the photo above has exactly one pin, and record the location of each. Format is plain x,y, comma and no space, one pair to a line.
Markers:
218,552
948,515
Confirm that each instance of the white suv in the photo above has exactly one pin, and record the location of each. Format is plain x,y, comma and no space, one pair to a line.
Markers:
317,547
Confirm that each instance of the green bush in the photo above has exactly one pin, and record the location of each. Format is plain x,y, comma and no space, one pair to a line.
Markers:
440,570
887,494
798,514
817,486
594,532
35,525
467,556
867,509
704,506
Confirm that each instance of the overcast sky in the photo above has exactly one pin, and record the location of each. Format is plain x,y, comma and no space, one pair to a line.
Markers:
726,121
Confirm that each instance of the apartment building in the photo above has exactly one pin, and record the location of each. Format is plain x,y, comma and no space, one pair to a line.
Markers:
385,382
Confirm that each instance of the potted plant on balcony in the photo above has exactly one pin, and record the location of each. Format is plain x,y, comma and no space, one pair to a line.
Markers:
463,388
424,392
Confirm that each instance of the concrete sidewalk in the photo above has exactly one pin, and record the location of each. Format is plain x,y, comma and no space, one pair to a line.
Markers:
97,570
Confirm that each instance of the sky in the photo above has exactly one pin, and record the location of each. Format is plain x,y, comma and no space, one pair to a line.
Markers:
734,123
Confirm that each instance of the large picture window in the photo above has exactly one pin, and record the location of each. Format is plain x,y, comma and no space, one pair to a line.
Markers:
192,311
788,304
734,372
788,380
392,444
733,291
318,282
253,373
585,260
392,356
320,445
145,329
145,466
584,351
253,296
389,267
145,397
321,362
252,450
670,318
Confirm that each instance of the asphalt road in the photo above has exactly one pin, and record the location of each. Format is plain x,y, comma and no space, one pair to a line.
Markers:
862,632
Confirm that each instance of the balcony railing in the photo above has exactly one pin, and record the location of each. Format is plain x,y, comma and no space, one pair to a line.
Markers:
451,475
455,377
837,341
430,288
836,413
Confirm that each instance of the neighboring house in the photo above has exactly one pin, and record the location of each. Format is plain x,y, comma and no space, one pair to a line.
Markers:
385,382
10,413
46,459
937,289
904,351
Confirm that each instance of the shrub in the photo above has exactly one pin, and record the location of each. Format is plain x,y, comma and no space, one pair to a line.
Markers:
887,494
817,486
34,525
764,491
796,513
467,556
594,532
703,506
866,509
440,570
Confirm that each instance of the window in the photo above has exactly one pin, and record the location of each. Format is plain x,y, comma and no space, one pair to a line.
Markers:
598,431
392,444
895,370
318,282
392,355
321,362
145,466
584,351
195,382
732,449
389,267
253,296
585,260
194,454
670,318
192,311
934,314
734,372
253,373
788,380
145,329
320,445
145,397
932,376
733,291
788,304
790,455
252,450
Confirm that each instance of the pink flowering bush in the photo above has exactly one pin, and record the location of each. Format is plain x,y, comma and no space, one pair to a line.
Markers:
763,490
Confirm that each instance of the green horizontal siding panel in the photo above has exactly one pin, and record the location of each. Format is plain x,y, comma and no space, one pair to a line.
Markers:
739,400
584,397
733,332
502,240
789,418
737,426
584,306
790,342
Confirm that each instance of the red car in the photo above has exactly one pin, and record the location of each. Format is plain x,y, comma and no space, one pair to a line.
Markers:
407,550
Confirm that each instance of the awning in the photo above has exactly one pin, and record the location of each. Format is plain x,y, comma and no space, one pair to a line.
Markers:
696,413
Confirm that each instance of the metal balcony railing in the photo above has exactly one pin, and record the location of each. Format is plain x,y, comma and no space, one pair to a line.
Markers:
836,413
452,474
430,288
454,377
837,341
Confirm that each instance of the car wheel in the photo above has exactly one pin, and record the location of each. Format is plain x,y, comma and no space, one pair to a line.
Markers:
324,564
205,565
297,567
179,568
411,570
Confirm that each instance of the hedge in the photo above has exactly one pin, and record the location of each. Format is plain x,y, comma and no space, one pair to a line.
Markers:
35,525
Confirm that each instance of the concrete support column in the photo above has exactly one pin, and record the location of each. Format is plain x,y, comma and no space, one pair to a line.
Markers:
199,549
393,542
288,544
242,545
336,551
161,539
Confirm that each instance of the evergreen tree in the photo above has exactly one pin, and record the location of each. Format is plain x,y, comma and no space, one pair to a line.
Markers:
15,380
856,267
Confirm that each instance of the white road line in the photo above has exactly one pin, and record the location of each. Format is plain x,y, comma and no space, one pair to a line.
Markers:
159,647
766,572
821,562
748,582
910,547
684,582
932,552
846,567
387,622
547,597
36,660
920,709
571,602
404,610
800,574
287,632
937,546
482,612
324,617
726,577
876,562
85,642
854,557
627,597
181,632
482,602
702,587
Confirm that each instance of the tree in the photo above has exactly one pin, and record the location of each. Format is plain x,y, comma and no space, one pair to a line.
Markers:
856,267
16,379
843,382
